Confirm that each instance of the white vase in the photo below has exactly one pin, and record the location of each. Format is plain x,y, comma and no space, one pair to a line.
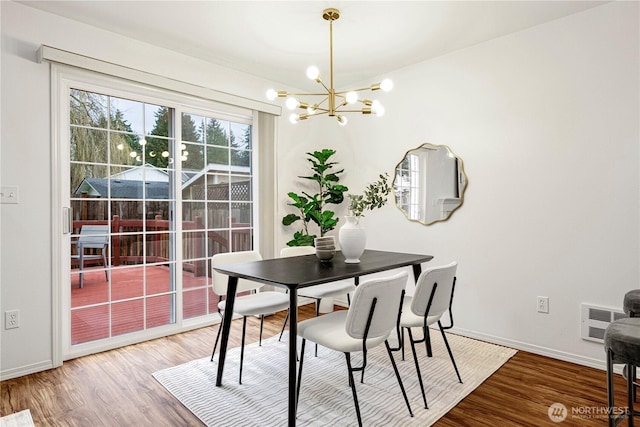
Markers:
352,240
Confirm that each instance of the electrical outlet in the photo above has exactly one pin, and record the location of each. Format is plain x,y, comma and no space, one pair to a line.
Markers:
543,304
12,319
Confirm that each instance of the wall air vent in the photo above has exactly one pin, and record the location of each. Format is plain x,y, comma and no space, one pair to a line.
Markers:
595,320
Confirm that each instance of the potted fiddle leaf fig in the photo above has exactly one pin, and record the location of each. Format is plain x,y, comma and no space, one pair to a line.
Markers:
312,208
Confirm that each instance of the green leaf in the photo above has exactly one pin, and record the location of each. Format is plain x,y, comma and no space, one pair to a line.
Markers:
290,219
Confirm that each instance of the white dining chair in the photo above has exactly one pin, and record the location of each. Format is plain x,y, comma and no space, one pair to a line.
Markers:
253,304
317,292
373,314
432,298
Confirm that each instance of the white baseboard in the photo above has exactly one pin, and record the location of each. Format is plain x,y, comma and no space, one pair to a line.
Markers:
26,370
536,349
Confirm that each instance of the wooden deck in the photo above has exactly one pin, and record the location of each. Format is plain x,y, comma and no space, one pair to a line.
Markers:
135,298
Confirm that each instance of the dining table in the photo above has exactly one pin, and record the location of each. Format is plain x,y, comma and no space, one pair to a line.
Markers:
293,273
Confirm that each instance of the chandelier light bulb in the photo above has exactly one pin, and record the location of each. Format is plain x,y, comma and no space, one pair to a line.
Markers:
120,146
313,73
351,97
138,159
294,118
377,108
342,120
311,110
292,103
152,153
165,154
272,94
386,85
143,142
133,154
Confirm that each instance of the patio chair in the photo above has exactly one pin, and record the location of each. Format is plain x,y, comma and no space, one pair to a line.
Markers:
93,238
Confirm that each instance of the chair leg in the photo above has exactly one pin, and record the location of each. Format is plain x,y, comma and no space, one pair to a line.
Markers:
444,337
317,314
286,318
304,341
216,343
415,360
427,341
630,394
261,325
244,329
401,339
352,383
610,395
395,369
104,260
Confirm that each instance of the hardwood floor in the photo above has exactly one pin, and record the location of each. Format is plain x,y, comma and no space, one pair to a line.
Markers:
115,388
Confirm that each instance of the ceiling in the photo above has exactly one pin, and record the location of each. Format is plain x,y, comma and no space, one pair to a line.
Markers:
279,40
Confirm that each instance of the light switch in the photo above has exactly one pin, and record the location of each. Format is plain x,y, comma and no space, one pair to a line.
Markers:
9,194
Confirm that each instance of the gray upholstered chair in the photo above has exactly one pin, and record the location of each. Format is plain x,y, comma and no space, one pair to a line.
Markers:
432,298
253,304
93,238
371,318
317,292
622,345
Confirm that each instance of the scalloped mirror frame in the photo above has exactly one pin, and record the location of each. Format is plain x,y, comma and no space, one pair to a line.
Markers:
449,195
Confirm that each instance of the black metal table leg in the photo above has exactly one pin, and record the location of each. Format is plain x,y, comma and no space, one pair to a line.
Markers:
293,354
226,325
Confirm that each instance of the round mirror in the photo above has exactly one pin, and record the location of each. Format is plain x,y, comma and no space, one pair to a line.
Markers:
429,183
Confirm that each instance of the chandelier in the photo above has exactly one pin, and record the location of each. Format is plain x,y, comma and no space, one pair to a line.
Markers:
331,102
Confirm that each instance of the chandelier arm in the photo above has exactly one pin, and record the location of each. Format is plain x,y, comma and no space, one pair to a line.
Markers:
354,90
307,94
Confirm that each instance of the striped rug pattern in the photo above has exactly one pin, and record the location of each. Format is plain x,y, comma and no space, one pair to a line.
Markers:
325,397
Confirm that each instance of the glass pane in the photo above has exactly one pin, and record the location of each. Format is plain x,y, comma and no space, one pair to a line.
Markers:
241,214
88,145
240,189
89,324
157,152
128,248
88,209
158,210
218,156
87,109
127,317
194,303
192,213
157,247
217,187
217,133
241,136
192,156
159,310
87,179
127,283
156,120
193,128
158,279
95,288
242,159
127,115
241,240
217,215
194,247
125,149
217,242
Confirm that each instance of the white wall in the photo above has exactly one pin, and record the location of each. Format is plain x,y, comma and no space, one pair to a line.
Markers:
547,123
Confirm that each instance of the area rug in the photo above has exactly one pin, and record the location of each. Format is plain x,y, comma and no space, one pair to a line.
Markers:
19,419
325,397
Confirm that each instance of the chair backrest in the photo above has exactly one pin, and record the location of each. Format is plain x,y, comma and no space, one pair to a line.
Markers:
388,293
220,280
94,236
444,277
297,251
